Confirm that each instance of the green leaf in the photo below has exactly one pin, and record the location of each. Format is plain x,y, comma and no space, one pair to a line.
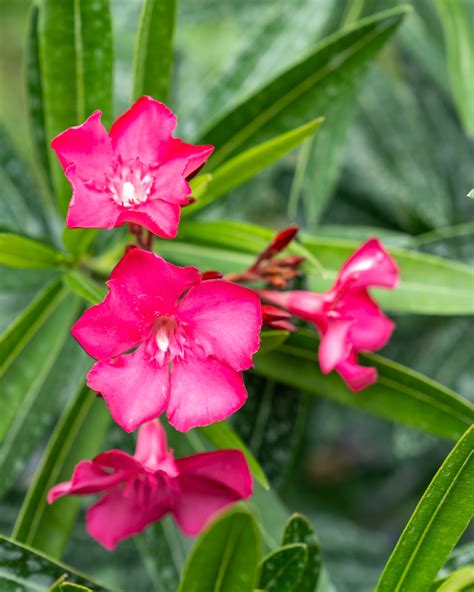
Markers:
153,57
78,240
428,284
21,252
400,394
282,569
299,529
17,335
79,35
457,21
78,435
247,164
25,374
37,413
24,569
34,92
84,286
225,557
471,194
437,523
461,580
272,339
222,436
301,92
199,185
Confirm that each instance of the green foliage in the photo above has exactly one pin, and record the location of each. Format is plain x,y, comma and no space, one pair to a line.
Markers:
282,569
437,524
225,557
20,252
154,49
299,529
22,568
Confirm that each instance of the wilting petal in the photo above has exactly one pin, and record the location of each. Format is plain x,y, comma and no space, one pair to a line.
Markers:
371,328
152,451
146,281
189,156
355,376
136,389
158,216
117,516
203,391
370,265
141,129
89,207
225,320
88,146
335,346
209,482
306,305
87,478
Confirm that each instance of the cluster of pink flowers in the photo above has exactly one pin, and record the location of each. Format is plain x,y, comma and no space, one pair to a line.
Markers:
172,339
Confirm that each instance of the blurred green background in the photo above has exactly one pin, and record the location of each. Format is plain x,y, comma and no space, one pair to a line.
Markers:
407,163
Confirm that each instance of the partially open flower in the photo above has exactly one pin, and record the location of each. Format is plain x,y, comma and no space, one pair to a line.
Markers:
166,340
135,173
347,318
140,489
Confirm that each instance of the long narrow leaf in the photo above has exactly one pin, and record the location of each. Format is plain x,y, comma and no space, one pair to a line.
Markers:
437,524
20,252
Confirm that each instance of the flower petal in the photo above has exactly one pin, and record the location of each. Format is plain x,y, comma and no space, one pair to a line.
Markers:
152,450
335,345
141,129
371,329
225,320
116,517
203,391
89,207
189,156
170,184
158,216
209,483
88,146
306,305
135,389
355,376
370,265
87,478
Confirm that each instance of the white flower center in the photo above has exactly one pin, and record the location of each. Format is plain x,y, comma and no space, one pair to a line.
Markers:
129,183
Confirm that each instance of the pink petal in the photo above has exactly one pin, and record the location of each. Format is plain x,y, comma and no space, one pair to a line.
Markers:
203,391
307,305
87,146
355,376
370,265
89,207
335,345
119,461
158,216
146,281
136,389
371,329
209,483
87,478
225,320
189,156
141,129
118,516
152,451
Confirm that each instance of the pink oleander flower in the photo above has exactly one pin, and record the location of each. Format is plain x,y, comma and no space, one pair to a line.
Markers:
166,340
140,489
135,173
347,318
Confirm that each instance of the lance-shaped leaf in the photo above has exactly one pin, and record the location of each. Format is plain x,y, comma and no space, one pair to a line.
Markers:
400,394
249,163
153,57
75,48
225,557
306,89
21,252
436,525
25,569
282,569
84,286
78,435
299,529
